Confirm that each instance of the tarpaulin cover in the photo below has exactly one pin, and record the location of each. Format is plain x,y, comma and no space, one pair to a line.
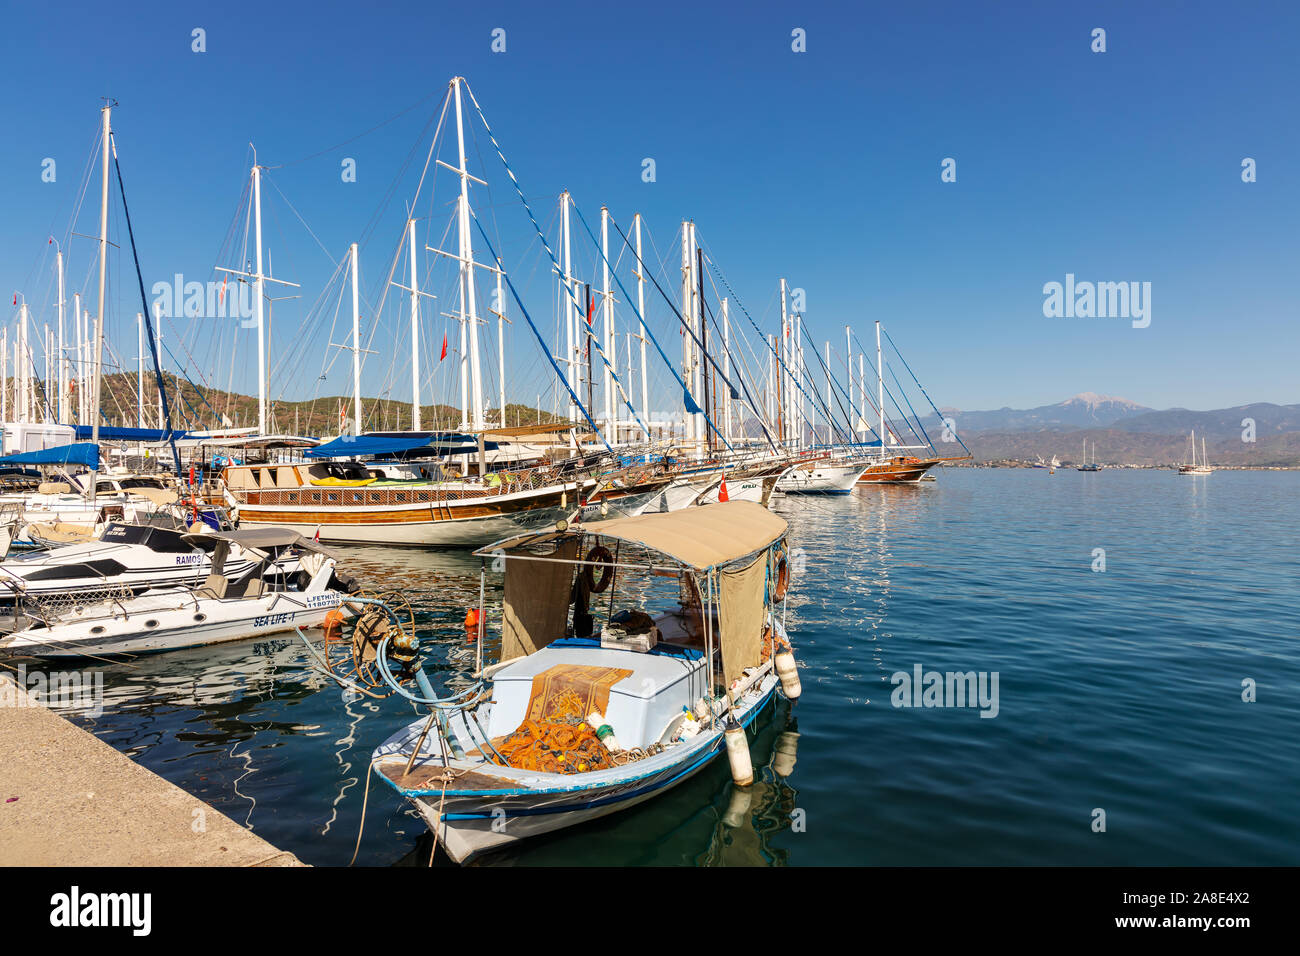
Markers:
536,603
741,612
79,453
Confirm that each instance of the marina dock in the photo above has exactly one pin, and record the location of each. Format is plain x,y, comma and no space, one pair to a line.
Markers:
69,799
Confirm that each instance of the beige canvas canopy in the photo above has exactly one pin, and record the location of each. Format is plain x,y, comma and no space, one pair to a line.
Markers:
703,537
729,540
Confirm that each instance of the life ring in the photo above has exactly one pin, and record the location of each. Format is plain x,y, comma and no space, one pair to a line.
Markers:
782,578
598,555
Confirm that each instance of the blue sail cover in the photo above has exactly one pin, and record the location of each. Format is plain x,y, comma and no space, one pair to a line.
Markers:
80,453
437,443
118,433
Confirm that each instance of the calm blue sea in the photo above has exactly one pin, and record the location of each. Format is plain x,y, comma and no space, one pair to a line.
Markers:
1120,692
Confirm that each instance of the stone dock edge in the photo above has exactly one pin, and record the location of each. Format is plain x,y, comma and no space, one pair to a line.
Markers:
69,799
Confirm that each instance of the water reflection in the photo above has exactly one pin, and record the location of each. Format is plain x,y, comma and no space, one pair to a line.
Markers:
981,570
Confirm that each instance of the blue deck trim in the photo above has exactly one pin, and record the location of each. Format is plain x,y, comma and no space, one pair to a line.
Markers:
660,650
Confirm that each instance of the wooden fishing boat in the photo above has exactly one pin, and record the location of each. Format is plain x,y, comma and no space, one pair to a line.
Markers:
601,702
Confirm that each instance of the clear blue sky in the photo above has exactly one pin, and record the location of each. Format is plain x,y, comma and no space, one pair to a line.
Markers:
823,167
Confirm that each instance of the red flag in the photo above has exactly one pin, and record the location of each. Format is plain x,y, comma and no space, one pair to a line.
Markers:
444,347
591,306
722,491
316,536
15,298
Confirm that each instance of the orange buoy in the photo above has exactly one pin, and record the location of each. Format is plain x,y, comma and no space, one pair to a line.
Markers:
471,625
333,624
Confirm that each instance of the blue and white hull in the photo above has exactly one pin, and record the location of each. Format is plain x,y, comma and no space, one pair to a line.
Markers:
474,805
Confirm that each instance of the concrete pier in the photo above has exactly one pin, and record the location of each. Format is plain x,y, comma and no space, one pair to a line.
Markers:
69,799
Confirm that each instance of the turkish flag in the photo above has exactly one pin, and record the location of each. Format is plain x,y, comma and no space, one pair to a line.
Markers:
722,491
444,347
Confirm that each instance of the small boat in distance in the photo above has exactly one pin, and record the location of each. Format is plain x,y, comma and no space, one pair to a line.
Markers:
1192,466
1089,465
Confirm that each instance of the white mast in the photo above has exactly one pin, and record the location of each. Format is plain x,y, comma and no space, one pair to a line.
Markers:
467,268
640,308
862,393
566,298
880,389
848,380
98,349
157,347
828,391
49,409
787,401
139,375
61,361
415,330
771,386
501,340
611,353
692,360
86,372
797,392
24,387
77,376
726,372
687,376
257,295
356,347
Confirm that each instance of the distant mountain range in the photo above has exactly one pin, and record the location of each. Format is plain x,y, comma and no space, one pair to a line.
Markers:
1126,432
1087,410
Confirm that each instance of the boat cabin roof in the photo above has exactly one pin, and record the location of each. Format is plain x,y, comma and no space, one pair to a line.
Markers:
702,537
259,539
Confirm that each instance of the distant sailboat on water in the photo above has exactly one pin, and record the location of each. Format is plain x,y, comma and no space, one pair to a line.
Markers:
1192,466
1089,465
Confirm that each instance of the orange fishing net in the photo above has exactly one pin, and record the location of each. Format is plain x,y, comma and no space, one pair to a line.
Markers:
554,748
554,736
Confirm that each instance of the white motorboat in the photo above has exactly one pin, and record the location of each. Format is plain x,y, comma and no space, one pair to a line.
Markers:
134,557
577,722
259,601
821,477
